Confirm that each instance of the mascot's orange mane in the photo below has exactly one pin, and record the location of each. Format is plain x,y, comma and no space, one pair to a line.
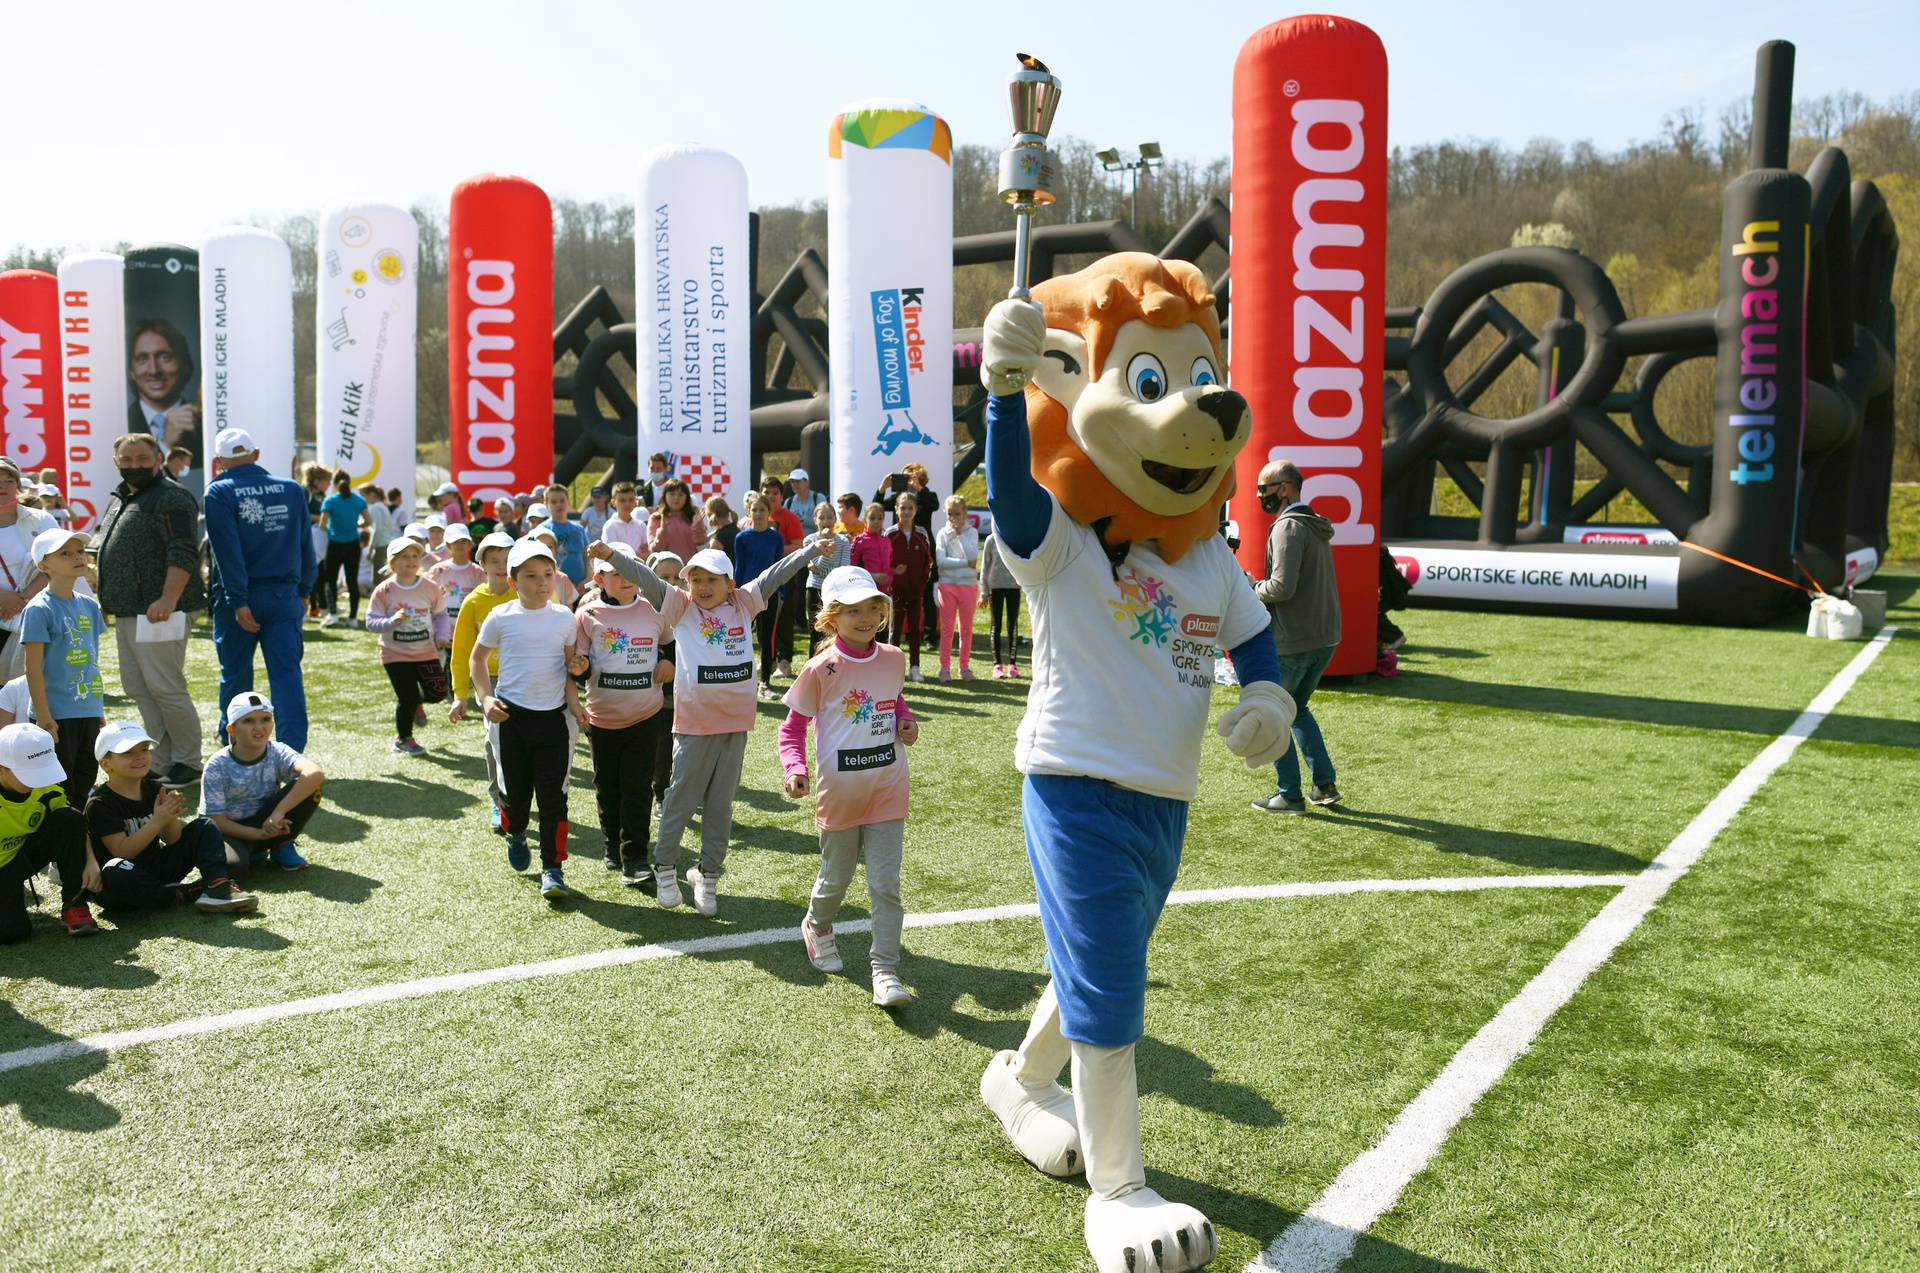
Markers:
1095,303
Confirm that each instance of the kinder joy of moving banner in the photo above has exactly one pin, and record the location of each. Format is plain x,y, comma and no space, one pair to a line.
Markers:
32,430
890,293
246,336
1309,284
693,315
500,335
162,298
93,335
367,315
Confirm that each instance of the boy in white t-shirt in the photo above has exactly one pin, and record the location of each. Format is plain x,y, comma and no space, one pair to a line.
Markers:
527,709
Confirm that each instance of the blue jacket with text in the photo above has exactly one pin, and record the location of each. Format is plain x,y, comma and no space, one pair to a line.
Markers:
260,533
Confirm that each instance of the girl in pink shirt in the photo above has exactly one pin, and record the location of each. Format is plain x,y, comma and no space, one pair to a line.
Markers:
410,614
457,576
851,693
872,551
676,526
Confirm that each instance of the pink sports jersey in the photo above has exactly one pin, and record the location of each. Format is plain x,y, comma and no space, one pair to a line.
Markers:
622,644
414,638
713,681
455,581
856,708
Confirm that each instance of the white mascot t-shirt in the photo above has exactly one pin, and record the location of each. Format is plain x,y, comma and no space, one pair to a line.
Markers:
1123,668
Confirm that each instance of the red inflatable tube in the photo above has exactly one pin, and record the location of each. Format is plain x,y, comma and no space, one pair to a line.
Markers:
33,418
500,335
1309,280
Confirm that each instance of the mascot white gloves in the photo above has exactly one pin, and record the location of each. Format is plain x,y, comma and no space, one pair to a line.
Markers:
1012,344
1258,728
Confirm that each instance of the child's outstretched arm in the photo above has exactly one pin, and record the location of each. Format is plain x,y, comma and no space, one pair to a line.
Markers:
633,570
793,752
787,567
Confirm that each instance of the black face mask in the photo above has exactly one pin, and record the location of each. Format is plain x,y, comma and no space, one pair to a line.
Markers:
1270,504
139,479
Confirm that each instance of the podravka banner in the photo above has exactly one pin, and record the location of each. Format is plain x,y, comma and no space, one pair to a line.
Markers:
890,293
367,301
93,342
500,335
1309,283
693,316
161,294
32,407
246,338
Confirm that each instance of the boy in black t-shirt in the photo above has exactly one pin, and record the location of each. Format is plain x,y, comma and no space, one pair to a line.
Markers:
135,829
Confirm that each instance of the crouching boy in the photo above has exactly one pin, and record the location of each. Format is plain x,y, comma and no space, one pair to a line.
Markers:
37,828
260,793
146,851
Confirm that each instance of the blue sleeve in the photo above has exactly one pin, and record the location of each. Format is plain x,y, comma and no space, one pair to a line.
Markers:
223,533
1255,659
309,564
36,623
1021,506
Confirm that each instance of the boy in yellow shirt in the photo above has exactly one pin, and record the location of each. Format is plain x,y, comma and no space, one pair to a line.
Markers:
481,602
38,827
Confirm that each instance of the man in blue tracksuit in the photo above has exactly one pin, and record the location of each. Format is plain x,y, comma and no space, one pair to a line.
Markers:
263,569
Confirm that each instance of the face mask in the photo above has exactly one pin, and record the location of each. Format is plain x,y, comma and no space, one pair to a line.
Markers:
658,479
1269,504
140,479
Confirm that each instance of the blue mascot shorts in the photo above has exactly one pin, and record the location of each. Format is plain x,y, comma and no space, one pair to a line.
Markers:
1104,859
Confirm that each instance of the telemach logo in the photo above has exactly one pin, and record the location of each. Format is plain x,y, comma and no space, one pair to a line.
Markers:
488,462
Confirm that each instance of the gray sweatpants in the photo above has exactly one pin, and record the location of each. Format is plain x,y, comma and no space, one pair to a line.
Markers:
706,776
839,854
154,675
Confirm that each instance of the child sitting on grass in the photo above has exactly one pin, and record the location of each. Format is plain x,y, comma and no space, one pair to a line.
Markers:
712,623
60,647
528,711
260,792
134,830
39,828
409,614
851,693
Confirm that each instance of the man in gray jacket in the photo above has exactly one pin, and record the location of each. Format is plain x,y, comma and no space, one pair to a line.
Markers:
1303,600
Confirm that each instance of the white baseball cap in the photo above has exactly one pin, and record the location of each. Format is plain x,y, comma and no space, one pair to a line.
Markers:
547,532
436,519
246,704
798,475
28,751
539,510
446,488
660,559
48,542
459,531
121,736
849,586
525,550
402,544
713,561
231,444
606,563
415,530
494,539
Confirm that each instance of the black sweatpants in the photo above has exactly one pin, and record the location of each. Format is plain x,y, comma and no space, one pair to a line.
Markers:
73,747
151,881
414,681
342,555
789,611
814,635
60,839
535,750
240,852
623,765
1006,601
767,629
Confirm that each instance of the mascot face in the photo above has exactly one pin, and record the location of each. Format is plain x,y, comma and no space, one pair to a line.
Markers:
1131,423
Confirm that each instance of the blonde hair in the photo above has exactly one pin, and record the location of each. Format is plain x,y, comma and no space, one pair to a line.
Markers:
716,507
873,508
755,500
828,620
956,501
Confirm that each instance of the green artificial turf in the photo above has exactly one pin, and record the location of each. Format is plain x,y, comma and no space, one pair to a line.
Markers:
1733,1090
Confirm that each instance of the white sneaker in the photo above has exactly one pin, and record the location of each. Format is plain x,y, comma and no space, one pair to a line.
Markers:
913,674
822,950
784,668
887,990
706,891
666,886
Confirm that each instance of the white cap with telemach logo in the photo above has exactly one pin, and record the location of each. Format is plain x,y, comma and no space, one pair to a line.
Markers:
27,750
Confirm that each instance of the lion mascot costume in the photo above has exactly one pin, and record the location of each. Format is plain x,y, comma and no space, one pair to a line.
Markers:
1106,480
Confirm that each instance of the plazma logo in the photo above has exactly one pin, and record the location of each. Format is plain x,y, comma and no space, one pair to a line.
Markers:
1148,604
900,349
857,705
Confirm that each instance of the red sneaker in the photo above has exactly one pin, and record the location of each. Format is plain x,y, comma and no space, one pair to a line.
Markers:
79,920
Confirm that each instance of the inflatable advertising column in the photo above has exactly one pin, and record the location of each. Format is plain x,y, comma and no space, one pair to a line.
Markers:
500,335
367,301
246,337
890,296
93,336
693,314
32,419
1309,262
162,299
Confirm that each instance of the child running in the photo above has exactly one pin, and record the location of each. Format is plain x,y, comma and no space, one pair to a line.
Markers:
712,622
410,615
457,576
851,692
495,591
668,567
617,646
528,711
135,831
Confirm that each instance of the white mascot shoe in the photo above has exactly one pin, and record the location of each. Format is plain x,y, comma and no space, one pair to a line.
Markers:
1021,1090
1129,1227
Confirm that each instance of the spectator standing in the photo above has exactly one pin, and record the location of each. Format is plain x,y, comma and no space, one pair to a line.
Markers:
722,524
383,528
1303,600
626,525
793,533
1003,598
60,635
570,535
659,472
804,498
19,524
593,518
342,514
676,526
956,554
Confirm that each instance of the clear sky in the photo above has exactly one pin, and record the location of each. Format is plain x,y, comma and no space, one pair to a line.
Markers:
161,121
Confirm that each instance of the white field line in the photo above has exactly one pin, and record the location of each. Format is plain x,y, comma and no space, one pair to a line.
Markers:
1325,1234
394,992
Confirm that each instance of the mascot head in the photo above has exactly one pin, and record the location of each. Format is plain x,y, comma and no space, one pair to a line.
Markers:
1134,431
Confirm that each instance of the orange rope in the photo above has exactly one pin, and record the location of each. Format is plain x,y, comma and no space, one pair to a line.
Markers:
1764,574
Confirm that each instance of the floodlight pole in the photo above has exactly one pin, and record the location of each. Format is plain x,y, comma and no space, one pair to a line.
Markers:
1149,158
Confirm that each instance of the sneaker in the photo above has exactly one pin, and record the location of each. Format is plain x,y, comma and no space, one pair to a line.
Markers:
966,674
1277,803
666,886
259,855
553,885
706,891
636,875
784,668
517,855
419,715
331,621
610,862
224,899
1013,671
767,691
79,920
181,775
287,857
946,674
999,672
408,747
887,990
1327,794
822,950
913,674
499,824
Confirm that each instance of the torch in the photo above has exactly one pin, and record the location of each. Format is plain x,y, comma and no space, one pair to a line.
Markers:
1027,166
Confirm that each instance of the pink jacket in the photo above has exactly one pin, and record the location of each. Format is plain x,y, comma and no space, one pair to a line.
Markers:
874,554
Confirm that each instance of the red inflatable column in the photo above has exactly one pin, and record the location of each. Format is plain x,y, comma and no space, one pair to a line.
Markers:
500,335
1309,280
33,418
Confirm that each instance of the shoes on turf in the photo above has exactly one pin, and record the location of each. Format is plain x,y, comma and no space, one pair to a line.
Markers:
611,862
1325,793
331,621
636,875
222,898
822,950
784,668
887,990
79,920
517,855
408,747
1277,803
287,857
553,885
966,674
419,715
706,891
767,691
259,855
999,671
181,775
913,674
666,886
946,675
1013,671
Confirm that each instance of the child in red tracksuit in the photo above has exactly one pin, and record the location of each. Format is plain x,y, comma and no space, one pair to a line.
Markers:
912,567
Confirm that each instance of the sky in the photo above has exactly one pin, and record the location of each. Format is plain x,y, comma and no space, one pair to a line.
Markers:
145,122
